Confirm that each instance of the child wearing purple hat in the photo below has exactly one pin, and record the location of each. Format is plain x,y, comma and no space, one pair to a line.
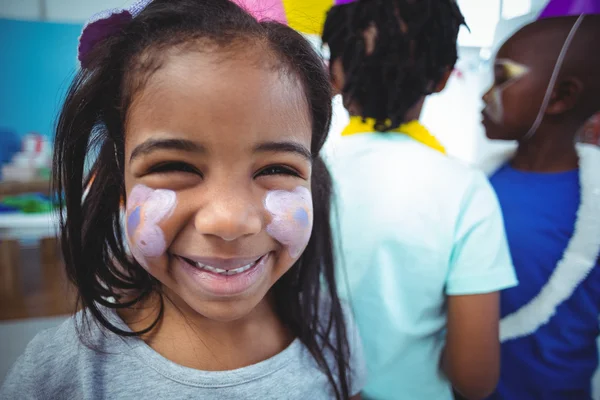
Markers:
546,87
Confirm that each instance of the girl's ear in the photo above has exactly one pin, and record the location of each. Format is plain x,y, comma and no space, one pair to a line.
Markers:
565,96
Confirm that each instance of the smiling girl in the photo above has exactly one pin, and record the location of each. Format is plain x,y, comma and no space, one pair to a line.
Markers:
208,283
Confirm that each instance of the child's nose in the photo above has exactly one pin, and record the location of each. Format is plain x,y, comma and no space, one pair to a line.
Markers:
229,216
486,95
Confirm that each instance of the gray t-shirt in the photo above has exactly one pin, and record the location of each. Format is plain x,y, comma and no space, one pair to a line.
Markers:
56,365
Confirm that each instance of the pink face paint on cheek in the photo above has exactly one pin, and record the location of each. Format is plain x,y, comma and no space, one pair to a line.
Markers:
292,221
146,208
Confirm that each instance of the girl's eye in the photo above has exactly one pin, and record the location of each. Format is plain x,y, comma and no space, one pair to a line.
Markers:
277,170
172,166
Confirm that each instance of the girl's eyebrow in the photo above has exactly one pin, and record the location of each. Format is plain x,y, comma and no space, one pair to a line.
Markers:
284,147
152,145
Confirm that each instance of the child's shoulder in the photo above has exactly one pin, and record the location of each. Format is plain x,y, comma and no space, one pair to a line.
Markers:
47,359
53,360
53,345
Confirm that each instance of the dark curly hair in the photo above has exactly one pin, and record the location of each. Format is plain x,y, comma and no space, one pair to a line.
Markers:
414,46
93,116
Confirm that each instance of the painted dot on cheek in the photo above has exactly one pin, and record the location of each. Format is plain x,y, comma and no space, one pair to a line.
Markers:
301,216
133,221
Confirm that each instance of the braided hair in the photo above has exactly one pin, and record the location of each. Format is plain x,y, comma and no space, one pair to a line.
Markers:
412,47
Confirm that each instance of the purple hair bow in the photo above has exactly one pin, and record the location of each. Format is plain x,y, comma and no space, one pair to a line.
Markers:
105,24
340,2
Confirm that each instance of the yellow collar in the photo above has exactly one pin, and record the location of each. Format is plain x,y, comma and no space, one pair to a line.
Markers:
414,129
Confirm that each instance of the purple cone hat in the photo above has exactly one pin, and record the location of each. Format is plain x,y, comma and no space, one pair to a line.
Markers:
568,8
340,2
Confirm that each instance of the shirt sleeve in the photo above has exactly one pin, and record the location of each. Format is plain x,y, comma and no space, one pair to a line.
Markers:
480,261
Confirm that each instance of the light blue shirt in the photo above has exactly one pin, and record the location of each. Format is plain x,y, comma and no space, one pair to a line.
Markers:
416,226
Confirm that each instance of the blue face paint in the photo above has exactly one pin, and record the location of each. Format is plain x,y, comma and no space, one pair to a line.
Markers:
301,217
133,221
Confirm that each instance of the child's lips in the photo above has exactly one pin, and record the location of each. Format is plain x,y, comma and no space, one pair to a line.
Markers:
485,118
227,282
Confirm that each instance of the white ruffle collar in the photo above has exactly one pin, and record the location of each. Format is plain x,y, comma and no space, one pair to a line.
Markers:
579,258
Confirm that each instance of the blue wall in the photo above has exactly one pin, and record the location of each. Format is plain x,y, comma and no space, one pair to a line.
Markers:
37,62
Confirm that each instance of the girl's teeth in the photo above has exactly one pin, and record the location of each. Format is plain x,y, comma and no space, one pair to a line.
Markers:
225,271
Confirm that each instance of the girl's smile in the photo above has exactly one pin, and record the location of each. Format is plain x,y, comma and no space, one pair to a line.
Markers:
225,276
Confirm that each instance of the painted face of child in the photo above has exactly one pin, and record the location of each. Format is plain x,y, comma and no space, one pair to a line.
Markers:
506,74
218,172
522,71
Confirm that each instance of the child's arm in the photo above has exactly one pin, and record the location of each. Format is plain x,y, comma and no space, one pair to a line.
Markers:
471,358
480,266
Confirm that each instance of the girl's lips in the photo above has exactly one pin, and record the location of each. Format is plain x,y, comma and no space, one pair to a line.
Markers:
226,283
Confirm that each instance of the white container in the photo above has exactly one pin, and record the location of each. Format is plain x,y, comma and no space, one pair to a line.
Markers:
19,174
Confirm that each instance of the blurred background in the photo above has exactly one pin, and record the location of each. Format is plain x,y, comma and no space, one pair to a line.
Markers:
38,45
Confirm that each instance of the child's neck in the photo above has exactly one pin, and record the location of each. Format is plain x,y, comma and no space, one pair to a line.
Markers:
192,340
413,114
549,150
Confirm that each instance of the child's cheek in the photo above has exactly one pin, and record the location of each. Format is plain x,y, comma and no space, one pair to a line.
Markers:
496,106
292,218
146,208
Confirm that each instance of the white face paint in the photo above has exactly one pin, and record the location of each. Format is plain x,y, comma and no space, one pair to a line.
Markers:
510,72
146,208
292,221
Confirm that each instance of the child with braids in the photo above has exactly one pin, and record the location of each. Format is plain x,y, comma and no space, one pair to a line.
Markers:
421,235
220,282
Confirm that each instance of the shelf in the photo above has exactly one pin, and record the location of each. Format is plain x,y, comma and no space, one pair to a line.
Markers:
8,188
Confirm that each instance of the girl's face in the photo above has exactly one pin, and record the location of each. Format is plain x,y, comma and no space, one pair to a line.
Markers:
217,171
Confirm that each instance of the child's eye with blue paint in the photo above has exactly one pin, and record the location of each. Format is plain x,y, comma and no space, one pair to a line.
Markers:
173,167
277,170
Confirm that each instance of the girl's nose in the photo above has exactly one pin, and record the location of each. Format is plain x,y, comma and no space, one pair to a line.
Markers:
229,216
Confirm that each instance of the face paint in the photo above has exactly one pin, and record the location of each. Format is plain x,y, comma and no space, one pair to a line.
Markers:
512,72
292,218
146,208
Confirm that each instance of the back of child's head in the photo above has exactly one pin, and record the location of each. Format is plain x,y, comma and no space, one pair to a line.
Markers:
95,115
393,52
545,74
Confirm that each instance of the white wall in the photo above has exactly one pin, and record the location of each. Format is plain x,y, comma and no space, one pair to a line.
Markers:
481,17
80,10
19,9
57,10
